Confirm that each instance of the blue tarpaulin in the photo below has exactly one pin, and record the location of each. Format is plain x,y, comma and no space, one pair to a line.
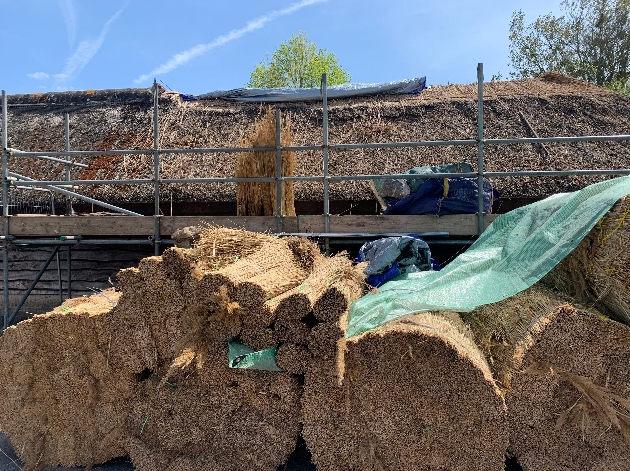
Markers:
442,196
347,90
393,256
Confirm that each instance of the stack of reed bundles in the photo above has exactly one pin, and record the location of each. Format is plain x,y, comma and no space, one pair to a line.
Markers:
565,378
150,376
193,409
64,393
260,198
597,271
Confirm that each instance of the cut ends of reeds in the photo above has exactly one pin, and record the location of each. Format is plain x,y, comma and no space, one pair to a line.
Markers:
455,418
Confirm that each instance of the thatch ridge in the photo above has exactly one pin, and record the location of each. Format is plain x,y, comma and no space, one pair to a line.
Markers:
551,105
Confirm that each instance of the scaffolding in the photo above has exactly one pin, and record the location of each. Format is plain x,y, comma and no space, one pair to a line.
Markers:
65,186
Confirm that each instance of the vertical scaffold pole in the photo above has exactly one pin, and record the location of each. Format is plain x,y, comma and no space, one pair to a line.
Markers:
5,214
325,152
69,210
156,169
278,172
480,164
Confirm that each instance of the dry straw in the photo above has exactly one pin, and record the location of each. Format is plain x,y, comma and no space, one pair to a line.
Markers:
260,198
64,392
214,418
150,376
454,419
498,327
568,406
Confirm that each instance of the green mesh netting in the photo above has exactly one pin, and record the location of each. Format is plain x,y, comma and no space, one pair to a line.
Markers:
516,251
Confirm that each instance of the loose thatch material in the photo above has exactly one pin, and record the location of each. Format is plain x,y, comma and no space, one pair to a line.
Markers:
455,418
569,405
64,392
260,198
597,272
217,247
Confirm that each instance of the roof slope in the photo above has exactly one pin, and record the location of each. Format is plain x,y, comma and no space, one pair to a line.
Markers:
552,105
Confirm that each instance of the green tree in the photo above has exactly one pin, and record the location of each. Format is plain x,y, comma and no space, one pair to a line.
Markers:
590,41
299,64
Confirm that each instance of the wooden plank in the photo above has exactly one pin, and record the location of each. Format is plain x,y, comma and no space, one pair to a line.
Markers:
455,225
142,226
104,226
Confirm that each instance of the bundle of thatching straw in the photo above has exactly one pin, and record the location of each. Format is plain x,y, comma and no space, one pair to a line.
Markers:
260,198
64,395
565,375
415,394
569,406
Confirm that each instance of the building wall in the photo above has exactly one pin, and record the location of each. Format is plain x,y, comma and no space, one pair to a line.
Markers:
91,267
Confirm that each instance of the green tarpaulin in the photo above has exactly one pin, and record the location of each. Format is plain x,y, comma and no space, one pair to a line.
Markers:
243,357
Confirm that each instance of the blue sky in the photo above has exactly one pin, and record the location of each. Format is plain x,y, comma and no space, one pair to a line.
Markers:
198,46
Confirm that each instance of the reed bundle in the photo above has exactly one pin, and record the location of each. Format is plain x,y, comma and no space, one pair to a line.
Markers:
260,198
64,395
568,405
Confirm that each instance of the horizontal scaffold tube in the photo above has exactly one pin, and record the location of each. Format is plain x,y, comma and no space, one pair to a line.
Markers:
78,196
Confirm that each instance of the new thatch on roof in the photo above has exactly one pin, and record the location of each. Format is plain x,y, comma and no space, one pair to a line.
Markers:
552,105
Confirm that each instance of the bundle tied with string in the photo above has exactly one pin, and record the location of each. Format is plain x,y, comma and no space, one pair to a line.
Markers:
260,198
597,271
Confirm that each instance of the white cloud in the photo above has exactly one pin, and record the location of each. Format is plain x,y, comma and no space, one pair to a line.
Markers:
84,52
39,75
69,12
252,25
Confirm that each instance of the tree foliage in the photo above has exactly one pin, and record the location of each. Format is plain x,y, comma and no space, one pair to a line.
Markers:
298,64
590,41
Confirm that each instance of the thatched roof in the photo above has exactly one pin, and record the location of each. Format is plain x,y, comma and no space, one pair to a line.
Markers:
553,105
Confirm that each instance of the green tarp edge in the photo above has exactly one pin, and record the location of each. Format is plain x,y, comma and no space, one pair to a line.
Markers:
243,357
516,251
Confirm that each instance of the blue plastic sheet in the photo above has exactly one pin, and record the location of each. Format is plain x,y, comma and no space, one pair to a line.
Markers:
392,256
